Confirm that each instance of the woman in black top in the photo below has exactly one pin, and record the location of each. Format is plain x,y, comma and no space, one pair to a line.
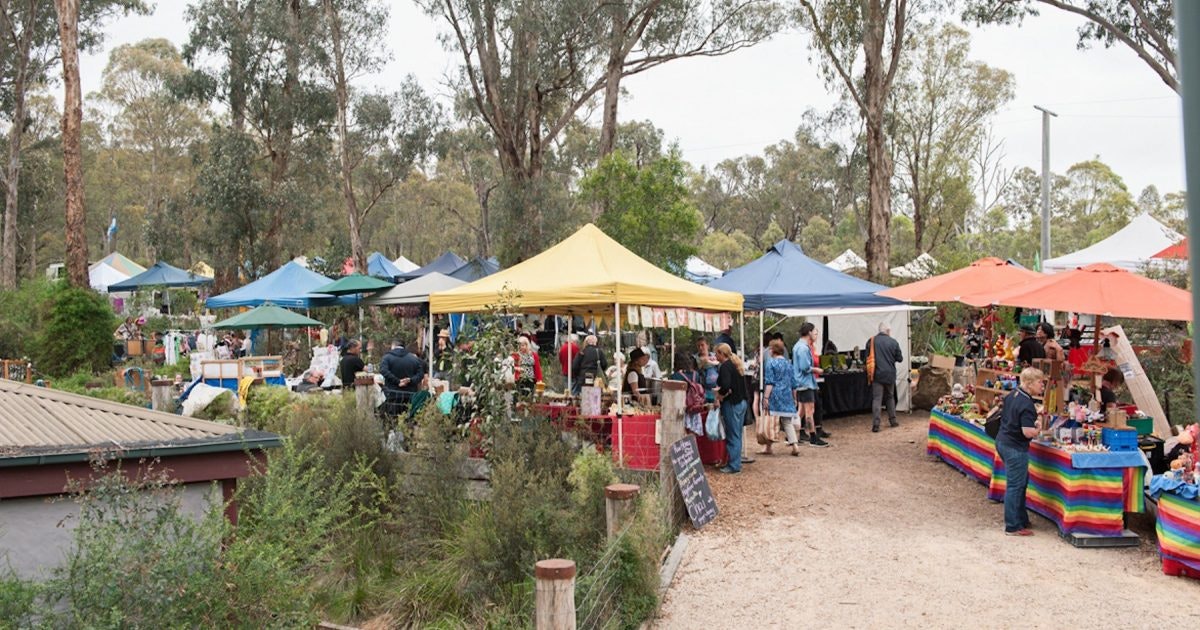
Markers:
634,383
587,365
731,394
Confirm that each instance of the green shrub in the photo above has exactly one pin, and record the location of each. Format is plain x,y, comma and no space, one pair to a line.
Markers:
21,314
267,407
18,600
77,334
221,409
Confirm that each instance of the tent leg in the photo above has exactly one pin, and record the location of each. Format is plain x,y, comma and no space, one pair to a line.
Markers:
620,376
429,351
762,359
672,350
570,331
742,336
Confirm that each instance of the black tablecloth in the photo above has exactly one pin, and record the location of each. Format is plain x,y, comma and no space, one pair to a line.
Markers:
845,393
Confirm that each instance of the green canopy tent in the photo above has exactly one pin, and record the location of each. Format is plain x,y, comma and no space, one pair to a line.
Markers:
266,317
355,284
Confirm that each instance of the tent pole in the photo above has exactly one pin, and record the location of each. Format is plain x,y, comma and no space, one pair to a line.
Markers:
762,357
742,335
429,351
672,349
570,331
620,377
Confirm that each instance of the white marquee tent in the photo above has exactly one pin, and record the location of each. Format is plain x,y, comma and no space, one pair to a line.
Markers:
405,265
1131,248
699,271
847,261
101,275
921,267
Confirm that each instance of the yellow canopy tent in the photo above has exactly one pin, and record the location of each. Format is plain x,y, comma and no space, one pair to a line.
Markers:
587,273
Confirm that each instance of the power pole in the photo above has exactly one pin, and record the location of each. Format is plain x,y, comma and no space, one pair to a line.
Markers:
1187,23
1046,114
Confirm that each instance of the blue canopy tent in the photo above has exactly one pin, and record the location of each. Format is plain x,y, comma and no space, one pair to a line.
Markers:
476,269
160,275
785,278
446,264
786,281
290,286
379,266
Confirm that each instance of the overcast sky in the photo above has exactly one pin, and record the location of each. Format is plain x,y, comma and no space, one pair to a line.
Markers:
1109,103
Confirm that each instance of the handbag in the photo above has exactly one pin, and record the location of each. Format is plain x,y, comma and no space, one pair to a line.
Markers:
766,429
871,361
714,429
991,425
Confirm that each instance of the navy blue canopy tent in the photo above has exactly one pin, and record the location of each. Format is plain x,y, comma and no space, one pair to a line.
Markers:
446,264
379,266
290,286
785,278
160,275
476,269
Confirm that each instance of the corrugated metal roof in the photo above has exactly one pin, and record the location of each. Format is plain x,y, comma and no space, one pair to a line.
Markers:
36,419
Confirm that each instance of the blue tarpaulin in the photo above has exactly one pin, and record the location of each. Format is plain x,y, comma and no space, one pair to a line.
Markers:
289,287
476,269
447,264
379,266
785,278
160,275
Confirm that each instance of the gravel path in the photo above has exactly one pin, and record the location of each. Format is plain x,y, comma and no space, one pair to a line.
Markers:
873,533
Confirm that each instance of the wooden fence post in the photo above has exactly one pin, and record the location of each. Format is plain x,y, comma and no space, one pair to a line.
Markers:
555,591
160,394
671,430
619,506
364,394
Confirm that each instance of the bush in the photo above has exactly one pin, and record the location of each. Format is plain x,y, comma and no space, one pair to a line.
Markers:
18,600
77,334
21,313
267,407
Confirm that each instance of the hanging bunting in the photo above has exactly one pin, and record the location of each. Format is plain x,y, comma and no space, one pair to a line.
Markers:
708,323
672,318
660,318
647,316
633,316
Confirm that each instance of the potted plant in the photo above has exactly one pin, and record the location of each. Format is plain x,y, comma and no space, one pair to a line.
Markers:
940,352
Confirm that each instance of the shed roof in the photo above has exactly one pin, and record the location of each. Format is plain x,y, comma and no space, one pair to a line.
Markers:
36,421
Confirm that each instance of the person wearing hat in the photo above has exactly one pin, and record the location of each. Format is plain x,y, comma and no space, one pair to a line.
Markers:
443,355
1030,348
634,382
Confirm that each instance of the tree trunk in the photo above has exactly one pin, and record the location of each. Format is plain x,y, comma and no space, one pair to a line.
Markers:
239,59
879,161
357,252
612,81
76,224
281,148
8,268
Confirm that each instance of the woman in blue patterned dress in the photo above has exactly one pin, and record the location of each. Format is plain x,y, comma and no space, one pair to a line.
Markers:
780,381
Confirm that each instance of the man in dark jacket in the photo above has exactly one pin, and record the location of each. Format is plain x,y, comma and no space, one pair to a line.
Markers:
351,364
1030,348
402,372
883,384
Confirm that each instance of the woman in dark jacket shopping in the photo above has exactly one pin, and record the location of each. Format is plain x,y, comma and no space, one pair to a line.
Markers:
587,365
731,394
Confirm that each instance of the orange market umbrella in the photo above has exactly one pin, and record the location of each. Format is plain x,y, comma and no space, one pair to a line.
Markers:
1177,251
1099,289
989,273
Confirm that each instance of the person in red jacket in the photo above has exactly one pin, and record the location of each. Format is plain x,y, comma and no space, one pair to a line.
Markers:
527,367
567,353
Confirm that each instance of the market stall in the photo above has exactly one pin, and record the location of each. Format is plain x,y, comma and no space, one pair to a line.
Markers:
1178,530
590,274
963,444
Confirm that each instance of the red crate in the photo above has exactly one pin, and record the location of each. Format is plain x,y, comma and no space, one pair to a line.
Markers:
712,452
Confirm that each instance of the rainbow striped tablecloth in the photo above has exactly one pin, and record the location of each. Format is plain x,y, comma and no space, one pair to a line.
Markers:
962,444
1178,532
1079,500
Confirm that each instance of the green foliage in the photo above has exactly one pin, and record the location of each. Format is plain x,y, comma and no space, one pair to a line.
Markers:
18,600
267,407
591,472
646,209
21,314
77,332
221,409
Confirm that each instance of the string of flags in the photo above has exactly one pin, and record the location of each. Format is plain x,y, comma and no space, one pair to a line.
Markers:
653,317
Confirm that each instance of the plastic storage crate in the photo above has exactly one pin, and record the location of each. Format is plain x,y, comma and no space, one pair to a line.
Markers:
1120,439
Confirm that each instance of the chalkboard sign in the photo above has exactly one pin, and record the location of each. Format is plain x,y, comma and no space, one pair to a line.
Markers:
693,485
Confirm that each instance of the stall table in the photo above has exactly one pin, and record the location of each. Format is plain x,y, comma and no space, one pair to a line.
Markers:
1085,495
1178,531
962,444
845,393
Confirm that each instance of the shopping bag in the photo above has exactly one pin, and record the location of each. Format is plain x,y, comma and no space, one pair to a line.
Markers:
766,429
713,427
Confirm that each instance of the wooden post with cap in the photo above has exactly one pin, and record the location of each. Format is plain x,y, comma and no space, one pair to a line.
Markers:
364,393
620,504
555,591
671,430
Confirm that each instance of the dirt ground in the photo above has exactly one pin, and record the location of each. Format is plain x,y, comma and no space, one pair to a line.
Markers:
874,533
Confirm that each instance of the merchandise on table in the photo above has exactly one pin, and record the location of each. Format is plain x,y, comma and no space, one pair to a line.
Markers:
1178,526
